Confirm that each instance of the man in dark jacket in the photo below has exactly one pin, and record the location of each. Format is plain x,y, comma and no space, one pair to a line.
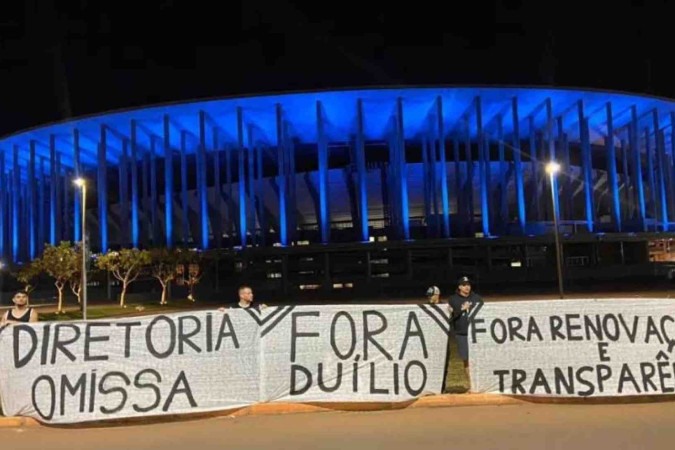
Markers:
463,304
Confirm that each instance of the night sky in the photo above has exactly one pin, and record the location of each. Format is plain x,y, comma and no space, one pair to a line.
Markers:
80,57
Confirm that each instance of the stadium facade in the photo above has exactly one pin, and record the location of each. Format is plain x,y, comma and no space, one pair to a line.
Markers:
438,176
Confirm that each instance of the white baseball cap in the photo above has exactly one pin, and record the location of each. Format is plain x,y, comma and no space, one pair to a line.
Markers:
433,290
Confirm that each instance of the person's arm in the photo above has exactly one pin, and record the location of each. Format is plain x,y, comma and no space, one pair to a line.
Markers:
474,305
3,321
33,315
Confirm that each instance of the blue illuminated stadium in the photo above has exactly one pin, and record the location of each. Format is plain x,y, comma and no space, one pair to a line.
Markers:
342,166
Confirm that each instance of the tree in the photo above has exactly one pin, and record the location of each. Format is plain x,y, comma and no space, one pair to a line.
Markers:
59,262
28,275
164,269
192,263
125,265
75,280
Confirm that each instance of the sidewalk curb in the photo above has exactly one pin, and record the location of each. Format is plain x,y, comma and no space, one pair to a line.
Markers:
18,422
266,409
435,401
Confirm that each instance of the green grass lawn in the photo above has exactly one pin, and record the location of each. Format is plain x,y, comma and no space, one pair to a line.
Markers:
112,311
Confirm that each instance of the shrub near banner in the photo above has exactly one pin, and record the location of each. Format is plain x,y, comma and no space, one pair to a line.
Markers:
574,348
207,361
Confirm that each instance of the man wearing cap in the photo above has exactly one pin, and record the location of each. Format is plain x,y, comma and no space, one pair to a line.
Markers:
433,295
463,303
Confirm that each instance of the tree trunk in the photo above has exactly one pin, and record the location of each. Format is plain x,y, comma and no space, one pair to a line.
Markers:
123,294
192,292
77,292
60,308
164,294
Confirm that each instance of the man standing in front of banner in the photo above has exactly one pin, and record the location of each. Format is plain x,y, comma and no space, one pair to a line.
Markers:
463,304
433,295
245,300
21,313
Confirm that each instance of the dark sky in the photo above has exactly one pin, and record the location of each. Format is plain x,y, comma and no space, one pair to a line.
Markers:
79,57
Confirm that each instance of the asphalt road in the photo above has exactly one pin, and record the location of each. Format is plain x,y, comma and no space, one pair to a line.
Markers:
522,427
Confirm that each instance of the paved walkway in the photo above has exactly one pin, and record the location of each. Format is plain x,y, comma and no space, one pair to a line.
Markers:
524,427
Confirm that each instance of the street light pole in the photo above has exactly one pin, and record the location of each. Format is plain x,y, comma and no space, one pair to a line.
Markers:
81,182
552,169
2,279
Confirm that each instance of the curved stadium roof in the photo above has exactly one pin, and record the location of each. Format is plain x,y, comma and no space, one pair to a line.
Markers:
340,112
610,141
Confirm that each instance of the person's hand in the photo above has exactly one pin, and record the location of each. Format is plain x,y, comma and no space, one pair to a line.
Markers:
222,309
450,310
466,306
263,306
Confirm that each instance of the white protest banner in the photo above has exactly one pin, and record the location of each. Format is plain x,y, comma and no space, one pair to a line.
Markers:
71,372
574,348
356,354
207,361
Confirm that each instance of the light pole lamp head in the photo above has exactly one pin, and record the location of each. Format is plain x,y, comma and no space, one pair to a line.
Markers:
552,168
80,182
